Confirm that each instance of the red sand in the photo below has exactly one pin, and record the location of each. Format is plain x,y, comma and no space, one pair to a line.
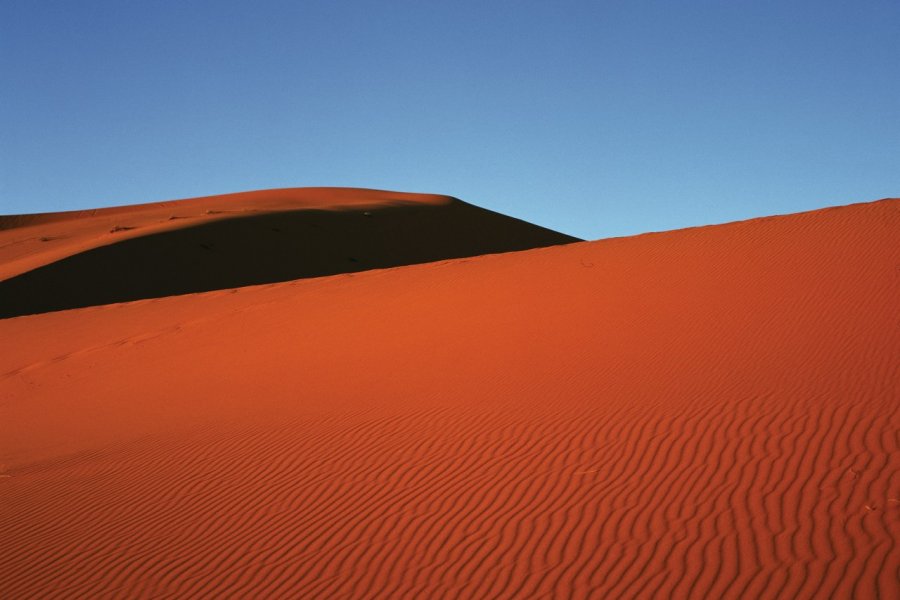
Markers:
704,413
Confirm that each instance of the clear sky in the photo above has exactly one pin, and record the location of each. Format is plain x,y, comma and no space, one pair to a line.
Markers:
593,118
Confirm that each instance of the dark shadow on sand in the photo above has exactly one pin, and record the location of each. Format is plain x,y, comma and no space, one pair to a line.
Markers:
268,248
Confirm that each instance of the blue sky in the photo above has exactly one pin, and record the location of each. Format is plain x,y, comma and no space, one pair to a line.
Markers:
593,118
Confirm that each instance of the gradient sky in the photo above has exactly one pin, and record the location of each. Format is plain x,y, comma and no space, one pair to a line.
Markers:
593,118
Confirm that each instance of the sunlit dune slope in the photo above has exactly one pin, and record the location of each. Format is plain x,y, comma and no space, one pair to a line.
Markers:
87,258
704,413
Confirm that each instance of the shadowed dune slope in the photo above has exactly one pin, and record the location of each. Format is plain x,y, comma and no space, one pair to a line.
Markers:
704,413
34,240
249,248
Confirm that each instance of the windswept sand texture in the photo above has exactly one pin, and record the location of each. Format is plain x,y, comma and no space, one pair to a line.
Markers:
704,413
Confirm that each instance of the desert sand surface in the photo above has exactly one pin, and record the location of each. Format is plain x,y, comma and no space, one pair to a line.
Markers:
704,413
73,260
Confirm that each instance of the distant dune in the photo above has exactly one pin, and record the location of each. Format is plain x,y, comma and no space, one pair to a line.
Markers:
62,261
704,413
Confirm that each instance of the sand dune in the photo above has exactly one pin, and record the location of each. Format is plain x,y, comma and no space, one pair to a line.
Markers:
704,413
117,255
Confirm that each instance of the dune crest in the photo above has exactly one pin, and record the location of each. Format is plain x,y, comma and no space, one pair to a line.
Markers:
122,254
703,413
